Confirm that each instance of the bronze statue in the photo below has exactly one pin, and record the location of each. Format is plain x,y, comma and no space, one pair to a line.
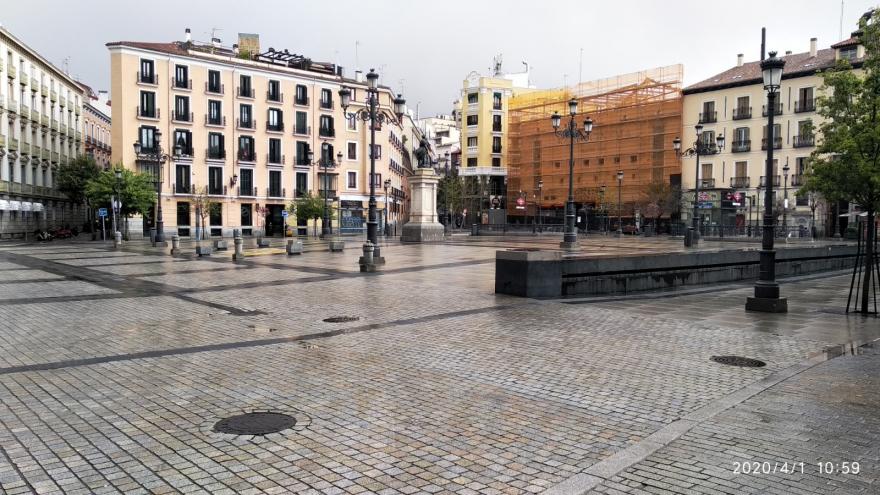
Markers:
423,153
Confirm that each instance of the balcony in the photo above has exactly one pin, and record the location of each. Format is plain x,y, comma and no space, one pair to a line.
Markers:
35,83
741,146
245,124
215,121
44,120
274,97
55,125
778,110
63,129
301,101
247,191
216,190
182,117
327,193
328,104
708,117
275,192
777,143
142,78
496,149
181,83
247,156
740,182
79,136
798,180
302,130
62,102
808,105
302,161
245,92
44,90
148,113
24,111
326,132
13,72
216,89
707,183
77,110
742,113
804,141
55,157
274,160
184,189
53,95
496,128
13,144
763,182
277,127
215,153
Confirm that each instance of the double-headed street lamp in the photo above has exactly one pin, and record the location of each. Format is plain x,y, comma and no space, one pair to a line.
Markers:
766,297
572,133
156,157
785,170
387,184
700,148
370,114
117,187
326,163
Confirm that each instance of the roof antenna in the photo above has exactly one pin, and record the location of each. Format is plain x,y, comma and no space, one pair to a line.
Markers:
357,64
763,42
840,33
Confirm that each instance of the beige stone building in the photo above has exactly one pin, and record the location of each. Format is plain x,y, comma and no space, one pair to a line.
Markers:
245,121
734,104
40,128
96,127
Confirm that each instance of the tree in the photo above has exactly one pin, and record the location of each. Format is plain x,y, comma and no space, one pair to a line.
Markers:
136,191
450,192
661,198
72,177
846,162
203,206
310,207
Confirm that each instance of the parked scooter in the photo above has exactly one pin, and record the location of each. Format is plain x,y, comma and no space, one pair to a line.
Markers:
43,236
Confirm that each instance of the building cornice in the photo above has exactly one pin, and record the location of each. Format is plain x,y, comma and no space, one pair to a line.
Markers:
4,33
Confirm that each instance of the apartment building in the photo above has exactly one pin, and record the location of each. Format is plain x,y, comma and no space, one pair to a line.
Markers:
734,104
40,128
244,121
96,126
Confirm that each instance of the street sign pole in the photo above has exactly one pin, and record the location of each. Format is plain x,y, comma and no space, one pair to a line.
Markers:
103,234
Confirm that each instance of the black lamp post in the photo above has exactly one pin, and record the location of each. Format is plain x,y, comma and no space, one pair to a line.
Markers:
766,297
325,162
572,133
156,157
540,198
370,114
785,170
387,184
812,199
116,188
701,147
619,216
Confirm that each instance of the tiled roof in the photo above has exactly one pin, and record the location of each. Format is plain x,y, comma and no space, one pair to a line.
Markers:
796,65
850,42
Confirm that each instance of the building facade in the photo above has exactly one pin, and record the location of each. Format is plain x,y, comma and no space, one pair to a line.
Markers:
41,111
245,121
734,104
445,137
96,127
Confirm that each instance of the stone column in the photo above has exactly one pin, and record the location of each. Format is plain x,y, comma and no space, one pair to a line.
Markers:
423,225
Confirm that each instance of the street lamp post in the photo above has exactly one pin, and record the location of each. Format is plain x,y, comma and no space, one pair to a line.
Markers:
604,212
619,215
115,201
785,170
387,184
370,114
812,199
540,198
766,297
700,148
156,157
572,133
325,162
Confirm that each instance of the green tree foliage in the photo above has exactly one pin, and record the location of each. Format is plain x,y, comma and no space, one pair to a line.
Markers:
450,193
203,206
310,207
846,162
71,178
665,197
136,191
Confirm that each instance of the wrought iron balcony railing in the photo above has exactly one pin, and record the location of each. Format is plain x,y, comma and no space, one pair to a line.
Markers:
742,113
741,146
740,182
708,117
808,105
804,141
763,182
777,143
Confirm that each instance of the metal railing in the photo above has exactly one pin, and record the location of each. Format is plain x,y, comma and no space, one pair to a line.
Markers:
707,183
217,90
763,181
245,92
741,146
182,117
777,143
708,117
302,130
778,110
151,113
277,193
276,97
182,83
184,188
146,78
218,121
808,105
215,153
326,132
740,182
247,156
246,124
247,191
274,160
804,141
278,127
301,101
798,180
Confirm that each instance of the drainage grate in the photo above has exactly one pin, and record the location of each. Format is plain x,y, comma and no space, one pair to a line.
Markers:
738,361
341,319
255,423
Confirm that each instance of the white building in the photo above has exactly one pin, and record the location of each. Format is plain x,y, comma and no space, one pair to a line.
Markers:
445,136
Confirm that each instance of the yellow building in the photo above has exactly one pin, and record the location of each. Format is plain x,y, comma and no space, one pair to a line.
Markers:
245,121
734,104
40,129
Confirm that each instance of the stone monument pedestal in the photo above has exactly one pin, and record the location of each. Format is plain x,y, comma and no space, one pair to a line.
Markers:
423,225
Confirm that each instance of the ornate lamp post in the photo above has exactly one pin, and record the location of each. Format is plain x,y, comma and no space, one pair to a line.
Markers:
766,297
156,157
116,187
812,199
619,216
326,162
572,133
785,170
387,184
370,114
700,148
540,198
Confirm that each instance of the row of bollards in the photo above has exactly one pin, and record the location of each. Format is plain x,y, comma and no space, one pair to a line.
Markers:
294,247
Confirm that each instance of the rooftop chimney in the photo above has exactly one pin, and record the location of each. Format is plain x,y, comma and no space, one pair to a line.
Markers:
359,76
235,49
188,36
215,42
813,47
739,59
788,52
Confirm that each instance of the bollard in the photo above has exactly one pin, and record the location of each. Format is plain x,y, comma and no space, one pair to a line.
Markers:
117,240
367,264
239,246
294,247
175,244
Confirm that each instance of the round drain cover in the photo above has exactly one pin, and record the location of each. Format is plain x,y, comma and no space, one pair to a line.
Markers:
341,319
255,423
738,361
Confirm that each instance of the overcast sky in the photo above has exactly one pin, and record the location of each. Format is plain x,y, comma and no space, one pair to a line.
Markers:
426,48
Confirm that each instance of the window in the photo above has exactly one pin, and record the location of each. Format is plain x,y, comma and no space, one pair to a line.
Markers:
182,179
181,77
800,165
216,147
148,73
215,180
327,156
183,213
214,85
326,98
302,123
742,103
275,183
302,153
276,120
805,101
472,120
472,162
247,217
472,142
376,180
496,123
302,95
183,138
351,122
705,170
245,116
473,98
215,217
742,169
275,151
246,148
496,144
244,87
181,108
302,184
777,136
246,181
148,104
707,139
274,93
849,53
326,126
376,151
215,112
351,179
147,138
496,101
496,162
708,114
352,150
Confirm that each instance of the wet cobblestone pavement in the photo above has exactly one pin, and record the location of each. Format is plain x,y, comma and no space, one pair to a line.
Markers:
116,365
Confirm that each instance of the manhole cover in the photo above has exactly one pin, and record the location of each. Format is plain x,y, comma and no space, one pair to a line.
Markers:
341,319
738,361
255,423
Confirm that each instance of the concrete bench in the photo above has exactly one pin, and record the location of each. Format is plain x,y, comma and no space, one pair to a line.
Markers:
336,246
262,243
221,245
203,250
294,247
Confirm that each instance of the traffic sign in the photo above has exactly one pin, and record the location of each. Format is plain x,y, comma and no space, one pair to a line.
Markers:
284,213
102,212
